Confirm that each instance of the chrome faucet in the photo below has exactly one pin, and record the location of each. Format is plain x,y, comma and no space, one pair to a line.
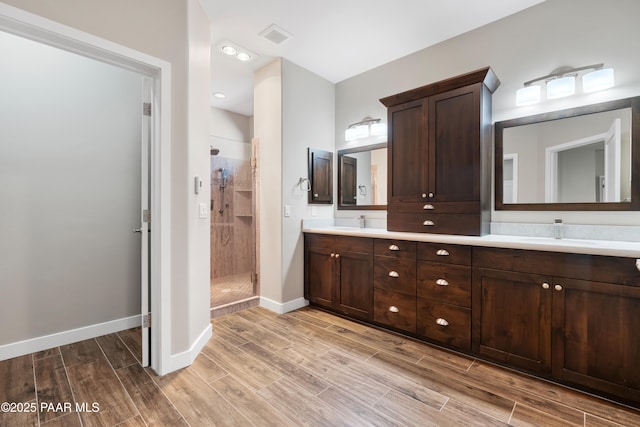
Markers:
361,219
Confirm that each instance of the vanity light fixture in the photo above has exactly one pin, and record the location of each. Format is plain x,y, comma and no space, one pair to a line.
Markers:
365,128
562,82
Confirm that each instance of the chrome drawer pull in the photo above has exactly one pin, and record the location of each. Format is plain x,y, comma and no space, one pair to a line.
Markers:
442,252
394,248
545,285
394,309
394,274
442,322
428,207
428,222
442,282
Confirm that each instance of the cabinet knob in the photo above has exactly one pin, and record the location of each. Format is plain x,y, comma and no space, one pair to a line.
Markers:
442,322
442,252
424,195
558,287
428,223
545,285
337,255
428,207
394,309
394,248
442,282
333,255
431,194
394,274
638,264
315,195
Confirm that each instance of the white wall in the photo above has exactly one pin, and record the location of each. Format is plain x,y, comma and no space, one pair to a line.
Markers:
231,133
308,105
520,47
160,28
293,110
70,156
267,101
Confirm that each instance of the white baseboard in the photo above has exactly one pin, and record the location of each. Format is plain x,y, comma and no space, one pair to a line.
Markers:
186,358
282,308
46,342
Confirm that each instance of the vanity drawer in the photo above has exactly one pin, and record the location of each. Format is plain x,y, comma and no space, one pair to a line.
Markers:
339,243
464,224
445,323
447,283
395,248
472,207
395,310
444,253
395,274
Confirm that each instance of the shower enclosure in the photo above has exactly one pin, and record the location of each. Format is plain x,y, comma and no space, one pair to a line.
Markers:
233,248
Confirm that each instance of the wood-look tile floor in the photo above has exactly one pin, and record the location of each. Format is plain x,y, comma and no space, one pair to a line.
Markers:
304,368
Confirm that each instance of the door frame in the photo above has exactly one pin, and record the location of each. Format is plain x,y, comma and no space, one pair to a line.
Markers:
33,27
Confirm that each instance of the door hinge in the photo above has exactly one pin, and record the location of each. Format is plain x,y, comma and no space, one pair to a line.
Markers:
146,320
146,216
146,109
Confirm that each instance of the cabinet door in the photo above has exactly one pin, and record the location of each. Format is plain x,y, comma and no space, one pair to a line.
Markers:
454,144
320,276
512,318
595,336
321,176
407,152
355,275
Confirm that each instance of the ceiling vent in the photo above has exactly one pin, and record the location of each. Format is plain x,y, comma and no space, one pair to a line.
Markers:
275,34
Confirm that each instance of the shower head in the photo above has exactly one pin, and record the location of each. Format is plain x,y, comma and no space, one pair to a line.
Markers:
214,151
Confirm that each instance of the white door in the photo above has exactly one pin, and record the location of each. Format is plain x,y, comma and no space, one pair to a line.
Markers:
145,222
612,163
70,158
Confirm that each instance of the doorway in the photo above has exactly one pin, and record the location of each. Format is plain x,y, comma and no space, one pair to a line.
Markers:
234,282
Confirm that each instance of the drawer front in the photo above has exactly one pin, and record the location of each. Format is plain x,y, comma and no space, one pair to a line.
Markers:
393,274
395,248
444,253
395,310
445,323
339,243
463,224
434,207
443,282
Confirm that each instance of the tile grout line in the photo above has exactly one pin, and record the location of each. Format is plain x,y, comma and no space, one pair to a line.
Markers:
120,381
35,385
66,374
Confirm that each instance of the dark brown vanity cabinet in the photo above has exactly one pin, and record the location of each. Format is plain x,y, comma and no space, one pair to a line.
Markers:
339,274
395,284
439,151
567,316
444,294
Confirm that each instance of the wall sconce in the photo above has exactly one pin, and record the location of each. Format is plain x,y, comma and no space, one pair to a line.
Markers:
365,128
562,82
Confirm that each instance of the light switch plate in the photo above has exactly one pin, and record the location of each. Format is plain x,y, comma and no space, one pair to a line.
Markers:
204,210
287,210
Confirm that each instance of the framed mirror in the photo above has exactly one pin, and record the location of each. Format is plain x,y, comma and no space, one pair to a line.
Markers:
585,158
362,177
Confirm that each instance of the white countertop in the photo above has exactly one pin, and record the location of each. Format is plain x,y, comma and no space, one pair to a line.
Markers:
591,247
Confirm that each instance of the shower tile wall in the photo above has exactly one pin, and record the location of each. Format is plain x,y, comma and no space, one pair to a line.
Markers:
231,218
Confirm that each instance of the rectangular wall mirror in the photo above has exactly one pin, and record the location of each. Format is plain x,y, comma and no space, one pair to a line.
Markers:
585,158
362,177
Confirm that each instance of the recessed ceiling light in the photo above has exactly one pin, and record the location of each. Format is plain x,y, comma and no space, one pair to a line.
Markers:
243,56
229,50
219,95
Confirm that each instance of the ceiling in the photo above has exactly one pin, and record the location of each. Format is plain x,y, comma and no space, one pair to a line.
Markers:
335,39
